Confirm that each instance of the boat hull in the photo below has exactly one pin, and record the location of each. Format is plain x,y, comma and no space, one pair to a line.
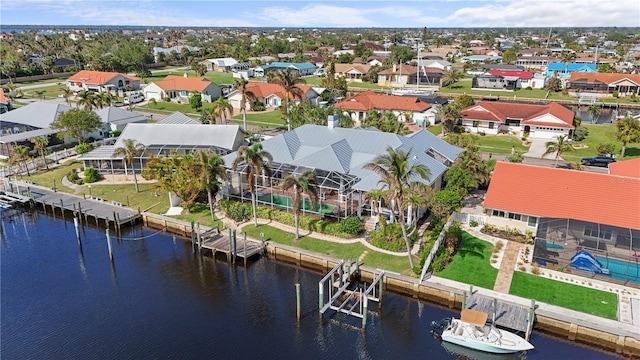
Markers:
491,340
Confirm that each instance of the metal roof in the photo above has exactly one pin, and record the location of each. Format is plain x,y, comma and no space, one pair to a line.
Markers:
186,135
178,118
38,114
342,153
6,139
115,115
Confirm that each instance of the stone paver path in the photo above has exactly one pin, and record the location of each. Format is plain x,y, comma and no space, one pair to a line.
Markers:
507,266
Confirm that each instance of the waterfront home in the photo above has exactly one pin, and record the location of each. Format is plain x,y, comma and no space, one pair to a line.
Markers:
604,84
405,108
506,80
163,139
573,210
179,89
338,156
403,75
538,63
98,81
563,70
539,121
225,64
271,95
480,59
305,68
351,72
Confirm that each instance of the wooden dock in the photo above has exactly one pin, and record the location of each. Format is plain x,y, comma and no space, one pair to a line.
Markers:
88,210
508,315
231,245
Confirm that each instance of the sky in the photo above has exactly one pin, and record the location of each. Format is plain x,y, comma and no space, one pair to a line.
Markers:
316,14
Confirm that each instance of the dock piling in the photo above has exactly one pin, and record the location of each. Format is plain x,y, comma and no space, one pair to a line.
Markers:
297,301
530,319
244,250
75,223
234,249
109,245
193,238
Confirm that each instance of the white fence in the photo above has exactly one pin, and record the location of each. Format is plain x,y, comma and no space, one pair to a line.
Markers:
436,246
465,218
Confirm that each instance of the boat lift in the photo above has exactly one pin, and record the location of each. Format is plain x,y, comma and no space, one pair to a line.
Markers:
340,299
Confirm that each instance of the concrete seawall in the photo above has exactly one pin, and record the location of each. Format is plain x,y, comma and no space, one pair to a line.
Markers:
572,325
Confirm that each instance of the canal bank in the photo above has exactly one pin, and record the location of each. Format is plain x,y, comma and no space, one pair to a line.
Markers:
568,324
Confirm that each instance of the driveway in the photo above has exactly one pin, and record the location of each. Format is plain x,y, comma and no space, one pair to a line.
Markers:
537,149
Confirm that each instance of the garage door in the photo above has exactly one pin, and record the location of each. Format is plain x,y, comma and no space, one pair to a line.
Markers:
546,134
152,95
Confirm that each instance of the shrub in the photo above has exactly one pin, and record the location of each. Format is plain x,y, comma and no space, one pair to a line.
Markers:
390,238
259,106
82,148
441,260
615,93
606,149
73,177
535,270
236,210
351,226
580,133
91,175
473,223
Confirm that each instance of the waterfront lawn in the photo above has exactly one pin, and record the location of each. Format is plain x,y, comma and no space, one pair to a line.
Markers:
213,76
464,87
471,264
150,198
45,178
601,134
399,264
570,296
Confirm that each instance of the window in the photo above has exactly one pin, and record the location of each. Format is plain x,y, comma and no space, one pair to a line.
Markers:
476,123
532,221
592,231
498,213
513,216
491,124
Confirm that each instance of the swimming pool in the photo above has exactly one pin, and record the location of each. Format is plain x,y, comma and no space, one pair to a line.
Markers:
555,246
621,269
284,202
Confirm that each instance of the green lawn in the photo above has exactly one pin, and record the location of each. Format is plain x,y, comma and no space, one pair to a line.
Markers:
500,144
601,134
45,178
435,129
464,87
471,264
365,85
399,264
264,118
570,296
49,91
213,76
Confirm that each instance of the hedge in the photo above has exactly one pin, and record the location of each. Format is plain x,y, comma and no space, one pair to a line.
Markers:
390,237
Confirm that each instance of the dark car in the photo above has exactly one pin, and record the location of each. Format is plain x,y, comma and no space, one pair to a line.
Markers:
598,160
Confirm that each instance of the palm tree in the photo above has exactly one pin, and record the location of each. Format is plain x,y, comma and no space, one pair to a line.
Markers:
374,196
103,99
472,161
40,143
248,97
289,80
305,183
418,196
66,94
595,112
628,132
449,115
257,161
397,173
131,150
560,146
450,76
219,109
40,94
211,170
20,156
86,99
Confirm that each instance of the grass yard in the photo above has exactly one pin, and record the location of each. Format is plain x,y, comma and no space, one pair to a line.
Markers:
213,76
399,264
49,91
471,264
570,296
263,118
500,144
601,134
365,85
464,87
435,129
45,178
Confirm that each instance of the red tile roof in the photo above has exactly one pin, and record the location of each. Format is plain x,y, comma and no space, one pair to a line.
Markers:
368,100
530,114
97,77
175,82
520,74
565,194
630,168
2,98
606,78
263,90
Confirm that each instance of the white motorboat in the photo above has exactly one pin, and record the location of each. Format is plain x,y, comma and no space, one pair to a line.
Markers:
472,331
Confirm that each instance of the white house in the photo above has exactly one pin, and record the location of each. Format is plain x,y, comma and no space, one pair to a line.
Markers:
180,88
98,81
359,105
271,95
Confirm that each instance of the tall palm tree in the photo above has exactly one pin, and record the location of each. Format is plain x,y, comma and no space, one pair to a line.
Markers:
20,156
374,196
40,143
131,150
628,132
450,76
305,183
472,161
418,196
248,97
211,170
87,99
595,112
66,94
219,109
103,99
449,115
559,146
289,80
257,161
398,173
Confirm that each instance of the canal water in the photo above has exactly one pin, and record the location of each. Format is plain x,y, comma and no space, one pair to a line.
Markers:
160,301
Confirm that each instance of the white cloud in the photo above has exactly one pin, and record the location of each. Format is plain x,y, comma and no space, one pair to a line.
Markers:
314,15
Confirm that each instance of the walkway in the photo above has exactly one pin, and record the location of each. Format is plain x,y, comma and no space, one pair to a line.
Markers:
537,149
77,189
507,266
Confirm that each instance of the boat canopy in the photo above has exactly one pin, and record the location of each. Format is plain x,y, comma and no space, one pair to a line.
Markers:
474,317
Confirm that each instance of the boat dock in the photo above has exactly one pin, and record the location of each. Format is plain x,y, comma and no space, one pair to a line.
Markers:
230,244
507,315
88,210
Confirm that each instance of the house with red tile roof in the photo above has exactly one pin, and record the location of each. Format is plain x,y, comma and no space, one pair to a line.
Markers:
98,81
180,88
539,121
361,103
604,84
499,79
630,168
271,95
351,72
567,210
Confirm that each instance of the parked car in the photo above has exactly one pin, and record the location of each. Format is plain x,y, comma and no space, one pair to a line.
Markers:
133,99
598,160
117,103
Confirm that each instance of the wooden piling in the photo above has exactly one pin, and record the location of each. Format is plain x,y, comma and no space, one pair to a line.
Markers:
365,305
193,237
61,208
198,236
530,319
297,301
75,223
230,245
233,255
109,244
244,251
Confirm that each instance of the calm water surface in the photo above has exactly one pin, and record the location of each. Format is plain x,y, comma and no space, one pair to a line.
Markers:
159,301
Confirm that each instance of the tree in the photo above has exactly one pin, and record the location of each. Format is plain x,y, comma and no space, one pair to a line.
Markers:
20,156
510,56
305,183
289,80
257,162
219,109
463,101
450,76
560,146
444,202
87,99
553,84
103,99
66,94
399,174
449,115
374,196
76,123
211,169
628,131
247,98
198,68
177,174
40,144
595,112
41,94
129,152
471,161
195,100
605,149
